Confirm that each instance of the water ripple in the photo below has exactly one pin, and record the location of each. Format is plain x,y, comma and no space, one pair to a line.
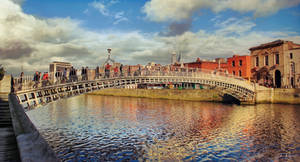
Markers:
96,128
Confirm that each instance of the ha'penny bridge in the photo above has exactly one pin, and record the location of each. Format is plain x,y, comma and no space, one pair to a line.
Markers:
236,87
26,95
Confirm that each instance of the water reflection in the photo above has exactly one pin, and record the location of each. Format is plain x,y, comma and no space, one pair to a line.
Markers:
120,128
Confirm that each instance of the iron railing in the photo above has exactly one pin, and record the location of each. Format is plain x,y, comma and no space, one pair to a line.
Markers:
26,83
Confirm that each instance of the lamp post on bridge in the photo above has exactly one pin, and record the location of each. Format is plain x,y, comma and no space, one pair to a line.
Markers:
106,65
109,59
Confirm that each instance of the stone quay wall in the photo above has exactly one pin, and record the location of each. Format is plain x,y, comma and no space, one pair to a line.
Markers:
263,96
190,95
32,146
278,96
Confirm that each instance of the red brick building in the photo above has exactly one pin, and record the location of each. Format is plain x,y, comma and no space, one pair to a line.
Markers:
219,63
239,66
236,65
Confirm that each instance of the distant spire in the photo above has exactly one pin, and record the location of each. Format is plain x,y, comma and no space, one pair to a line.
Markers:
179,58
173,58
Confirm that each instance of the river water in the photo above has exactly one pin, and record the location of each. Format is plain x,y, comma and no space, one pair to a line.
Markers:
106,128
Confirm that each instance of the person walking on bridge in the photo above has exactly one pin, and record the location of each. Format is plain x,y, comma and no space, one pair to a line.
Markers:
45,79
121,70
116,70
72,75
64,79
140,71
86,73
107,70
82,73
129,70
36,79
97,73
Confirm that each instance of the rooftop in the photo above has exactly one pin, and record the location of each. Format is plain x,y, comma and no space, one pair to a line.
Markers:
59,62
267,45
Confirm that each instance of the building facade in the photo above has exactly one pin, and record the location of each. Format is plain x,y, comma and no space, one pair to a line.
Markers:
276,64
209,65
236,65
173,58
57,66
239,66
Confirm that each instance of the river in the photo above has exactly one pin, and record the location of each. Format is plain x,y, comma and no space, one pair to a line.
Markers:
106,128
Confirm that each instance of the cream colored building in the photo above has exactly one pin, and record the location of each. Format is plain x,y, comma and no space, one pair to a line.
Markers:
57,66
276,64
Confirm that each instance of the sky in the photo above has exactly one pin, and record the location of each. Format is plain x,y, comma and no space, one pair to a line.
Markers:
34,33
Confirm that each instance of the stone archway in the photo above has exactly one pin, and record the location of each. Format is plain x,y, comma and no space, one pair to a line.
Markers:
277,79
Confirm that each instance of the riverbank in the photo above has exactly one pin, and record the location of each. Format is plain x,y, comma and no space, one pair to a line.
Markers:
267,96
173,94
278,96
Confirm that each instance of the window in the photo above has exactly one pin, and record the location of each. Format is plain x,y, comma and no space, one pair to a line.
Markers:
233,63
240,73
233,72
293,68
291,55
256,61
277,59
241,62
266,60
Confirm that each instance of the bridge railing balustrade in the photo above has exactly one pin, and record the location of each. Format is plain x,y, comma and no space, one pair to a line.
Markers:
27,83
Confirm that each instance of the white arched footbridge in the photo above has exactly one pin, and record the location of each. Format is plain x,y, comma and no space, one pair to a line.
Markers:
239,88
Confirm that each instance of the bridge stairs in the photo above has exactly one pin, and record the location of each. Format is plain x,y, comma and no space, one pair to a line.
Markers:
8,145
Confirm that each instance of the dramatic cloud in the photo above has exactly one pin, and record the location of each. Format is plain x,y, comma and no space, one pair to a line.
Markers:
32,43
15,50
177,10
177,28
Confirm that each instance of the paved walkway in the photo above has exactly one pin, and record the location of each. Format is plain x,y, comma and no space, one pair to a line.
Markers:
8,144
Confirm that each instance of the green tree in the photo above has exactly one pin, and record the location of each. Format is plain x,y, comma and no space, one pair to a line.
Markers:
2,72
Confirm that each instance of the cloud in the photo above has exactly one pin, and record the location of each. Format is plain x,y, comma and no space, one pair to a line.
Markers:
100,7
18,1
103,9
111,2
234,26
15,50
176,28
33,42
119,17
86,11
177,10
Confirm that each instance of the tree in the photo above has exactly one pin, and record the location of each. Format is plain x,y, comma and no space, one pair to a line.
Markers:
2,72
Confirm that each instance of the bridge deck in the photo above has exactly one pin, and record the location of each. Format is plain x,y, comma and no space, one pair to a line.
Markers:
8,144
